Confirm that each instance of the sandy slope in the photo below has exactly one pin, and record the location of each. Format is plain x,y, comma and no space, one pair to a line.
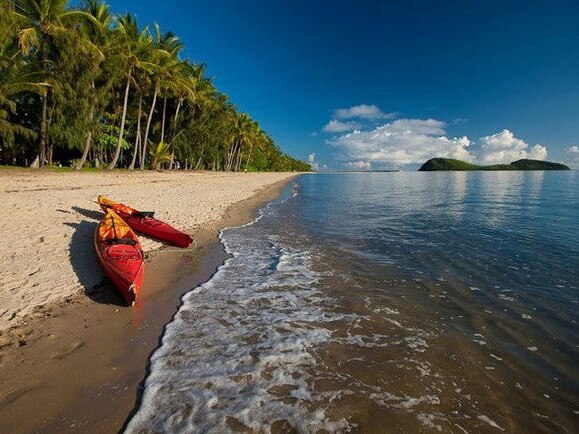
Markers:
48,222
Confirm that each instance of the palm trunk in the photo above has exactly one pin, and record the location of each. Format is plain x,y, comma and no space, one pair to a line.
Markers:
82,160
179,102
200,158
249,156
49,151
238,165
231,156
43,129
49,142
163,122
144,147
138,138
175,126
80,163
122,126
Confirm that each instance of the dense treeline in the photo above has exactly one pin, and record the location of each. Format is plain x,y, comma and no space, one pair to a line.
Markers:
81,87
449,164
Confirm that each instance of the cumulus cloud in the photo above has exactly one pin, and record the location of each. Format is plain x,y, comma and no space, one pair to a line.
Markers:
404,141
357,165
314,163
413,141
335,126
572,156
363,111
504,147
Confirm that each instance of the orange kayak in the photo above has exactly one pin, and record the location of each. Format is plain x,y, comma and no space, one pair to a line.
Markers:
120,254
145,223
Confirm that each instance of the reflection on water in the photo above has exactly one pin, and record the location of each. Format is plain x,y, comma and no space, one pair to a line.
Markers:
385,302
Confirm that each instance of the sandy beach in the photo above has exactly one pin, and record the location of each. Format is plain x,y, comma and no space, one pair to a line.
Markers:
67,341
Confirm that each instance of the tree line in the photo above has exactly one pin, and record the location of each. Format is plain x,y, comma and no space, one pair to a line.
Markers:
82,87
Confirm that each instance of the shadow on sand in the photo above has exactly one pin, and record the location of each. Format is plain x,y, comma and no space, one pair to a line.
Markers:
88,213
85,263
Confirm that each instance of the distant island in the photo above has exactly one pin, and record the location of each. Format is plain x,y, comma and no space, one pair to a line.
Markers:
447,164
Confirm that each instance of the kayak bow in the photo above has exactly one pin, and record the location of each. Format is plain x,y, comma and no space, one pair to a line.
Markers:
145,223
119,252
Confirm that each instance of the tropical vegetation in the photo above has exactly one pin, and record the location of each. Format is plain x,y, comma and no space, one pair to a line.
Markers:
449,164
82,87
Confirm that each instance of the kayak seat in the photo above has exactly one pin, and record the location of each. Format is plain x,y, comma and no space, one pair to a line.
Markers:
143,214
122,251
126,241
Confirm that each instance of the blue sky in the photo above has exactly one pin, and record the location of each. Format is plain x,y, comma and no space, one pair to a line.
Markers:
486,81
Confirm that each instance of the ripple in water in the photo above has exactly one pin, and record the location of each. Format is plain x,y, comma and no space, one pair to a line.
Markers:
397,302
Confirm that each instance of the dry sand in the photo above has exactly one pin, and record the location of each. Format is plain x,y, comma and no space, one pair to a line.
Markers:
48,221
77,363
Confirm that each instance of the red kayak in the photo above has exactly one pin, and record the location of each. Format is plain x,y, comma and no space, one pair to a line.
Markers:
145,223
119,252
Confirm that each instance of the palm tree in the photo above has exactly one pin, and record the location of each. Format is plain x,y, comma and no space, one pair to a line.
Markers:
98,35
135,46
40,21
259,139
169,46
244,132
164,55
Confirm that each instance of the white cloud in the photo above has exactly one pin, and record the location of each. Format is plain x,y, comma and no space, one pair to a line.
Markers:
357,165
363,111
313,162
413,141
572,156
403,141
504,147
335,126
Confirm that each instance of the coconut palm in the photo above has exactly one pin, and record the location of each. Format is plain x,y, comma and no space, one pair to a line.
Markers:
99,35
136,46
164,55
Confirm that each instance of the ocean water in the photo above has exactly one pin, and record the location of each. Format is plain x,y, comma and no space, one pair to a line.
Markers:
384,302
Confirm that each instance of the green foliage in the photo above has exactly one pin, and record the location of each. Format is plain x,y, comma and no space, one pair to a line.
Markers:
84,85
161,154
107,133
448,164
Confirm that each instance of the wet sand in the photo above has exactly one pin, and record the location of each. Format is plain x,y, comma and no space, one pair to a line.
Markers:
78,364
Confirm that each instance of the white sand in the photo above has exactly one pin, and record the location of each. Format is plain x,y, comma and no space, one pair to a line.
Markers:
48,220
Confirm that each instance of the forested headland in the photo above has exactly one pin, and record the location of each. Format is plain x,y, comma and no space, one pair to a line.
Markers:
449,164
82,87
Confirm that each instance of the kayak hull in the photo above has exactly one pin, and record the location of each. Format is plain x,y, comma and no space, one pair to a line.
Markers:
120,255
147,225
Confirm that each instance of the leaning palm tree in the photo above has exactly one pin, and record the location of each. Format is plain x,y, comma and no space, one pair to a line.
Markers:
40,21
169,47
164,56
135,45
243,134
99,35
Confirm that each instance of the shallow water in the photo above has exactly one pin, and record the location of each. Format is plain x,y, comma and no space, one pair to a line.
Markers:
384,302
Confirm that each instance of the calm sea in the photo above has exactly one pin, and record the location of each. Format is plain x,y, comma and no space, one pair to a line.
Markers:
384,302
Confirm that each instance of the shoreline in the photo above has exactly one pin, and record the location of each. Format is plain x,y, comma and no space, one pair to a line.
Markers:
80,363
